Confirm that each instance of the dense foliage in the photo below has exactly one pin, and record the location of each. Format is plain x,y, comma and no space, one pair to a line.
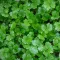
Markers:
29,29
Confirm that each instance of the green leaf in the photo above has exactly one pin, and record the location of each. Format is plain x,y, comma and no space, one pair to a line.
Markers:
27,56
5,55
49,27
48,49
35,42
41,37
14,13
26,23
40,47
33,50
35,3
12,26
57,26
49,4
56,42
27,39
55,15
